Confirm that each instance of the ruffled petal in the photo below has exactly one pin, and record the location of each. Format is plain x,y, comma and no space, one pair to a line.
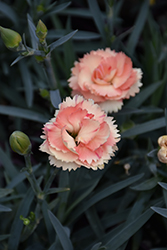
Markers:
89,129
100,138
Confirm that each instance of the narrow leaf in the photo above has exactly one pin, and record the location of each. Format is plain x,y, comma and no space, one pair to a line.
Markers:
163,185
23,113
49,228
96,246
20,177
147,185
57,190
161,211
65,241
80,35
139,24
17,225
17,60
55,98
5,192
62,40
129,230
8,12
57,9
112,189
96,13
105,193
4,208
4,237
145,127
28,85
143,95
32,29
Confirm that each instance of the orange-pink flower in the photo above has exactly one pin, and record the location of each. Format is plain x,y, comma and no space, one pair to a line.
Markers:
80,134
106,77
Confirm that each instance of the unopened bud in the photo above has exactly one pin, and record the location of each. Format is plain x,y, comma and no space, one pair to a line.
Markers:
162,154
11,39
20,143
41,31
162,141
127,167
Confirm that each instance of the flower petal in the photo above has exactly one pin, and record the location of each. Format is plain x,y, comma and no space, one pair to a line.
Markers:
100,138
89,129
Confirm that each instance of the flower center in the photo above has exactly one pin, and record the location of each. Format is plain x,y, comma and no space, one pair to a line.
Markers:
104,73
73,135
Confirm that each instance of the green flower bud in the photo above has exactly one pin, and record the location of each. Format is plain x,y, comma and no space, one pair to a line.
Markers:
20,143
44,93
11,39
25,220
31,217
41,31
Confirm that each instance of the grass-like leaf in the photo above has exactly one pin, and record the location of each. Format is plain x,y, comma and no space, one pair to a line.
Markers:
96,13
65,241
56,190
9,12
145,127
55,98
53,10
17,60
143,95
28,85
129,230
147,185
50,231
163,185
62,40
139,24
17,224
10,169
161,211
23,113
5,192
20,177
32,29
80,35
4,208
4,237
96,246
104,193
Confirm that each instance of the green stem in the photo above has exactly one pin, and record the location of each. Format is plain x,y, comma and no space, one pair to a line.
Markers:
31,176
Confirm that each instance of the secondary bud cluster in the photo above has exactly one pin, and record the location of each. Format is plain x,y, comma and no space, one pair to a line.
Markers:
162,153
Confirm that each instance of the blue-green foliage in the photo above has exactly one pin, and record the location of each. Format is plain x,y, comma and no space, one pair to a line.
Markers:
83,209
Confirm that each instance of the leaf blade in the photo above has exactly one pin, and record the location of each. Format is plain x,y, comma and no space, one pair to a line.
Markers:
65,241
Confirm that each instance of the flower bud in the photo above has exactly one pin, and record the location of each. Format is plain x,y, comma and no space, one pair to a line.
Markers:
162,141
162,154
41,31
11,39
20,143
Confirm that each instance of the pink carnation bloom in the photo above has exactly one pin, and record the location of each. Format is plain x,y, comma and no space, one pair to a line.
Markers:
106,77
80,134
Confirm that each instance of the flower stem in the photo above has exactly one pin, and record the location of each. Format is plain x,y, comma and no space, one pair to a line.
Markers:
31,176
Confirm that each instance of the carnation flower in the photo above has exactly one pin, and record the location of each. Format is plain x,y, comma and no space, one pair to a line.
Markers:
106,77
80,134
